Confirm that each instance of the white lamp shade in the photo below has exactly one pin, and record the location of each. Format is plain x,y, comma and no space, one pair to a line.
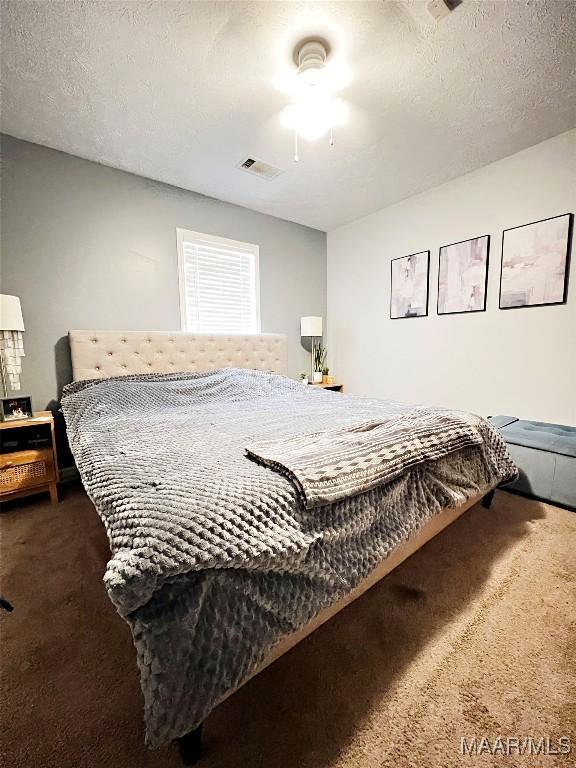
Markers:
310,326
10,313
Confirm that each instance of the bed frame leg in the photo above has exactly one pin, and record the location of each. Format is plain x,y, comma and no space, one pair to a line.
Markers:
487,500
190,746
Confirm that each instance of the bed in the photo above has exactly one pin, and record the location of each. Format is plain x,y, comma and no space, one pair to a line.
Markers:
220,563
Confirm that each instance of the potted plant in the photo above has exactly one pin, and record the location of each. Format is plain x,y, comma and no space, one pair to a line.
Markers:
319,360
325,377
303,378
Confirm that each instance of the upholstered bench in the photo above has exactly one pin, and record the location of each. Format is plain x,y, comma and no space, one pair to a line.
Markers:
545,455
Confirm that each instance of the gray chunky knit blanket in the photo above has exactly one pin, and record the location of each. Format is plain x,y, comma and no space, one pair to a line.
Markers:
333,464
214,557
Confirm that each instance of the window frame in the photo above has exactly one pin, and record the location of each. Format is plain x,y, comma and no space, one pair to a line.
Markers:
182,235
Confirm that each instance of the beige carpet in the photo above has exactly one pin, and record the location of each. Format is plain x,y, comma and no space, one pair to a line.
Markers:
473,636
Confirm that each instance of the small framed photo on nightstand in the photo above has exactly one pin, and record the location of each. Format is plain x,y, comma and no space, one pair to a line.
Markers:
13,408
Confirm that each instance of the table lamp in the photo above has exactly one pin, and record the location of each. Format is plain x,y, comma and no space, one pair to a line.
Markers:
311,327
11,342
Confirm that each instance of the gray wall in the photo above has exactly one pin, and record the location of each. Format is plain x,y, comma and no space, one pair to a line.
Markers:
85,246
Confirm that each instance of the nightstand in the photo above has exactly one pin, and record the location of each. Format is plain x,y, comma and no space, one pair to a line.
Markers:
331,387
28,461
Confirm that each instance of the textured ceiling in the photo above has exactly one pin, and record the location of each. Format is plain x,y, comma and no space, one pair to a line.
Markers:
181,91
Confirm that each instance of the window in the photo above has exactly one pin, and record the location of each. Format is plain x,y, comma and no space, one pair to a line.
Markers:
219,287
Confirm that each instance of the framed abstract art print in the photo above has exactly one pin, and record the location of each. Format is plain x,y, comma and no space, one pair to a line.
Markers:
535,262
409,285
463,276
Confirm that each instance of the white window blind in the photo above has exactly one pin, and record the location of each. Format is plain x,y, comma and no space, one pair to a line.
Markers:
219,291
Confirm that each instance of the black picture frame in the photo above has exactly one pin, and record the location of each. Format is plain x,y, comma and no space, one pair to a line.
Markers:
21,404
450,245
566,265
399,258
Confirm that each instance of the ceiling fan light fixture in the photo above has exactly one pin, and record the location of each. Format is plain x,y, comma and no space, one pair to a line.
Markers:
314,110
313,119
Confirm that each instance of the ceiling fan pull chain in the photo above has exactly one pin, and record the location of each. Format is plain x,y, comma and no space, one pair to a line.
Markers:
331,137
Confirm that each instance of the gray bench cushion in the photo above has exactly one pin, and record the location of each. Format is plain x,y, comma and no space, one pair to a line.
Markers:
545,455
554,438
502,421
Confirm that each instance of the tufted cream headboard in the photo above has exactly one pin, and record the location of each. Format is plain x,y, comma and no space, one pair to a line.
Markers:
100,354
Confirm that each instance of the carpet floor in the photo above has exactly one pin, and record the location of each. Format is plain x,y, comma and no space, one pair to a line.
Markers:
473,636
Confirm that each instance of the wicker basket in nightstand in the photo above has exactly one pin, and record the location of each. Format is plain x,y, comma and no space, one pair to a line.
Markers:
26,469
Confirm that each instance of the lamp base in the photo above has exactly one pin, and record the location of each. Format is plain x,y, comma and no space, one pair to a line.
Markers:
3,374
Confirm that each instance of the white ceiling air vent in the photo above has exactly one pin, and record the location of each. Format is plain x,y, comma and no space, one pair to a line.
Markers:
259,168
